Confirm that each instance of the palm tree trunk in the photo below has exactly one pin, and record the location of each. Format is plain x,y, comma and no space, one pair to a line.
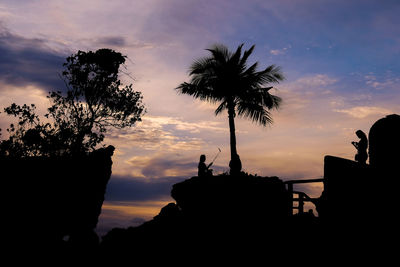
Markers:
235,164
231,117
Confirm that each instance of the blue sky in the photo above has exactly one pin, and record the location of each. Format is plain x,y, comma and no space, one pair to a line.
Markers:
340,59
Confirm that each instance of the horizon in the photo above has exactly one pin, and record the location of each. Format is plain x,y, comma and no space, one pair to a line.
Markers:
340,60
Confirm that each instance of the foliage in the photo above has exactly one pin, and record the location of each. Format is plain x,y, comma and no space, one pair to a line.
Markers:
224,77
94,101
29,137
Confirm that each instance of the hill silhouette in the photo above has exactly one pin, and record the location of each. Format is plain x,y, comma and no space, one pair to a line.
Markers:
55,203
250,215
244,212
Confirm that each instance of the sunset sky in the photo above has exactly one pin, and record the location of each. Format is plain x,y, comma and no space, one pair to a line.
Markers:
341,59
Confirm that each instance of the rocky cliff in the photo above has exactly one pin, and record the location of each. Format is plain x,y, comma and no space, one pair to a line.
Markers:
211,213
49,200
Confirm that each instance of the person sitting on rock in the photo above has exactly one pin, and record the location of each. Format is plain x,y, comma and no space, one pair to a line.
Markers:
361,147
204,170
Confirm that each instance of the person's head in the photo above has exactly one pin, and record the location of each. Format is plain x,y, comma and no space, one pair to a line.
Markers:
202,158
360,134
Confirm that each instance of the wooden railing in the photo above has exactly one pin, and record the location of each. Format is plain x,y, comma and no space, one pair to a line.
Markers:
302,197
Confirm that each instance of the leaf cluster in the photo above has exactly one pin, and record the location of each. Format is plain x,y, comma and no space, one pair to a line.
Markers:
95,100
225,77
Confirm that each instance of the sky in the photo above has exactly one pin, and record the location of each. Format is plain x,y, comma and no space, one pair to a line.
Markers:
340,59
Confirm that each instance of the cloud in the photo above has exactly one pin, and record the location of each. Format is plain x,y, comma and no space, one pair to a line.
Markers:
125,214
112,41
317,80
302,96
166,165
26,61
162,133
127,188
118,42
163,165
192,127
385,82
361,112
277,52
152,135
20,95
162,146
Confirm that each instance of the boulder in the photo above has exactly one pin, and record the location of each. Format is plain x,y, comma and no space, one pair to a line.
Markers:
50,200
233,200
384,143
211,213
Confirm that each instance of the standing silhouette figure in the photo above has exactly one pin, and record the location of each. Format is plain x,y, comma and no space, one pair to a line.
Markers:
361,147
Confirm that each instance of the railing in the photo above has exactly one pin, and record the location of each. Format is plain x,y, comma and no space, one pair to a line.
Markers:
302,197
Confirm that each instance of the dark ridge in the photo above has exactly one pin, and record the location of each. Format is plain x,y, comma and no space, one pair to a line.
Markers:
211,214
54,204
51,200
250,216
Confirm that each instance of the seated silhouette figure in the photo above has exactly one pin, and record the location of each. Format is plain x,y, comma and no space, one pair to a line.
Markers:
361,147
204,170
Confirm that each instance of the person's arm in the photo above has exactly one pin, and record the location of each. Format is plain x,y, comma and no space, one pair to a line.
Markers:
209,165
355,144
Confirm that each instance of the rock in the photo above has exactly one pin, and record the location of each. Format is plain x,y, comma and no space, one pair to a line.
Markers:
362,199
210,213
52,199
233,200
384,143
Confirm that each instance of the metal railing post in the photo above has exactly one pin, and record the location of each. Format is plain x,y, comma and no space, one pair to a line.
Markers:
290,190
301,203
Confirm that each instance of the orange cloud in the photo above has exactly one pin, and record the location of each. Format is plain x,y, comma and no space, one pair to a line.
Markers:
364,111
126,214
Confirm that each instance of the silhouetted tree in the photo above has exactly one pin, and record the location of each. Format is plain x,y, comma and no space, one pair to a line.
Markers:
29,137
94,101
225,77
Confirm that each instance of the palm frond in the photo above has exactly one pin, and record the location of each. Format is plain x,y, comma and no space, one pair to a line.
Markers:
257,113
201,65
202,93
249,73
220,52
224,75
221,107
268,100
272,74
235,57
246,55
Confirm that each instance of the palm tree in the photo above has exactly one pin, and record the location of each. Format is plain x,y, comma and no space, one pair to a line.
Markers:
225,78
